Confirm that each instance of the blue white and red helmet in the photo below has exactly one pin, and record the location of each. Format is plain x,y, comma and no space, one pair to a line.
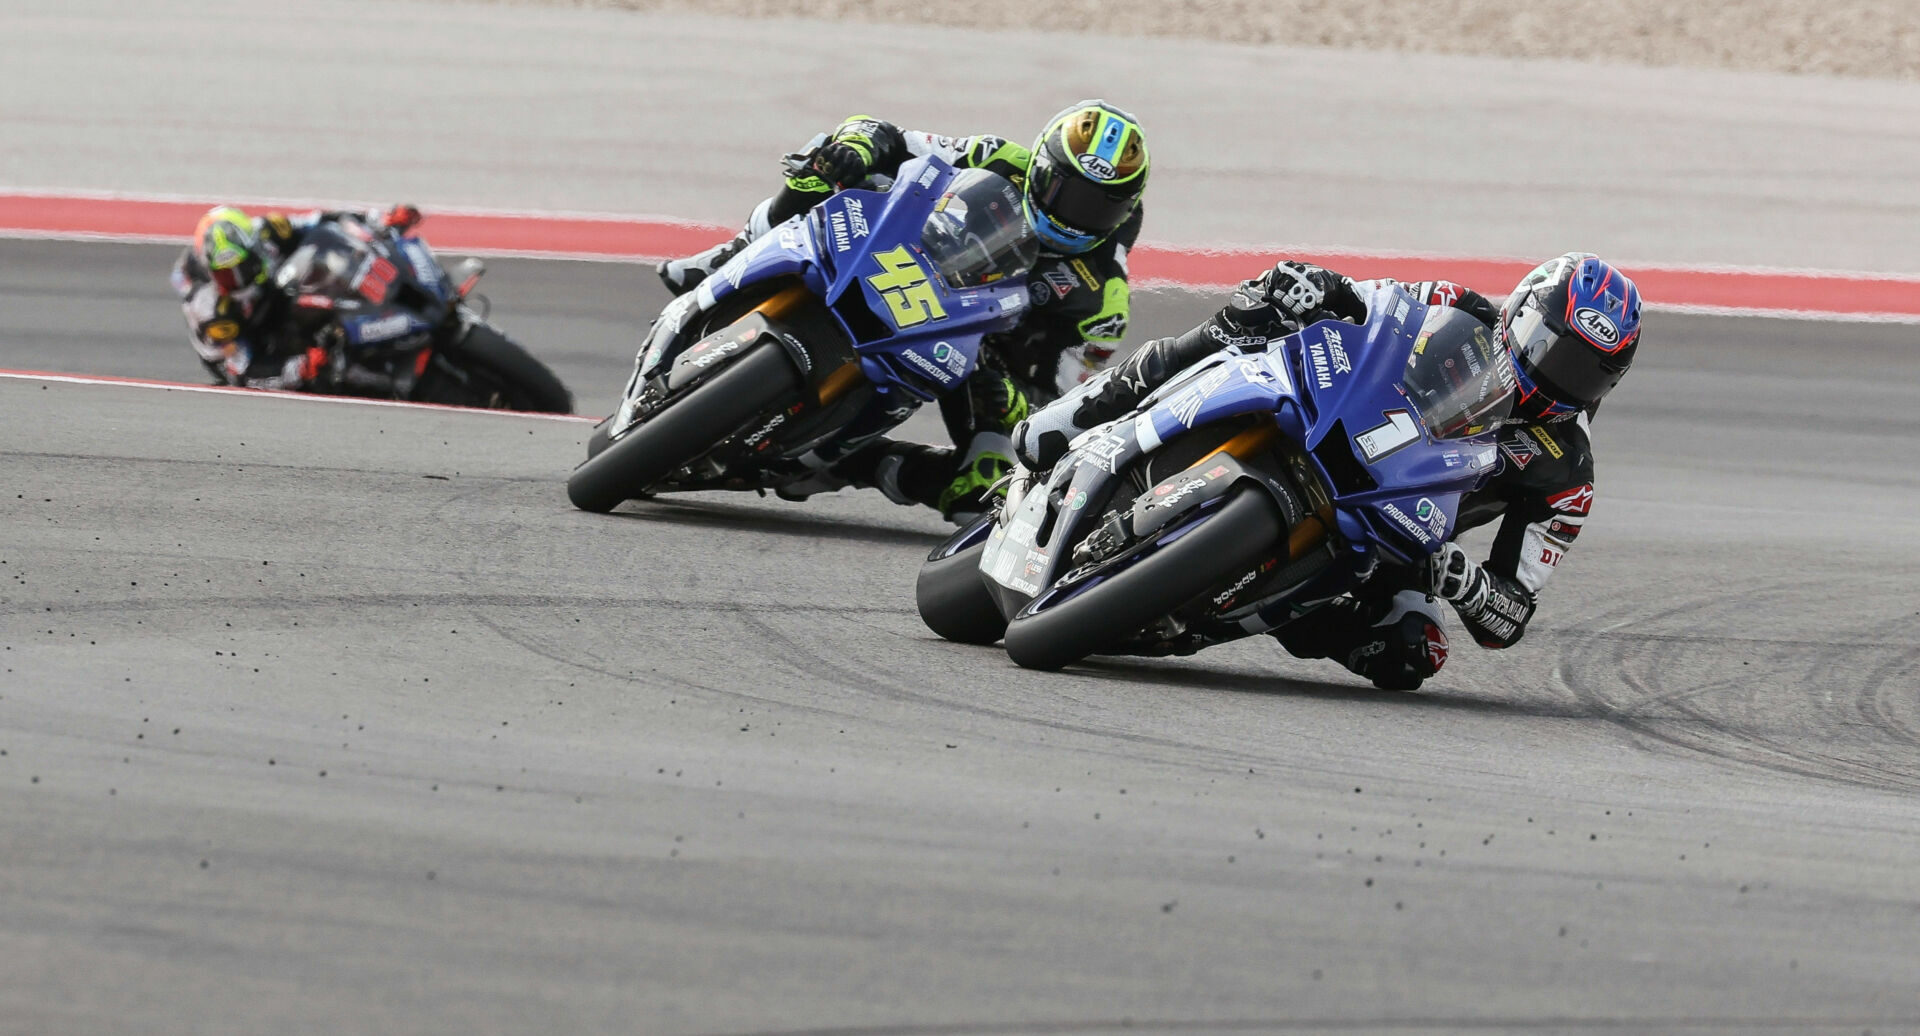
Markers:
1572,326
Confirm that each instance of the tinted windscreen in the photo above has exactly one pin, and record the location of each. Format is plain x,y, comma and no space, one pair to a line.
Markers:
1458,379
322,266
977,233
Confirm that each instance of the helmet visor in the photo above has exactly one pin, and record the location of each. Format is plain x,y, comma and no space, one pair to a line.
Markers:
1567,367
977,233
1076,204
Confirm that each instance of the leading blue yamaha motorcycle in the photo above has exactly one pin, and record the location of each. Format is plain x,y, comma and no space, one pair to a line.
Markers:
828,330
1243,493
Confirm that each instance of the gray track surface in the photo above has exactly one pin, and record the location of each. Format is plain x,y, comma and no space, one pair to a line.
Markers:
558,107
321,718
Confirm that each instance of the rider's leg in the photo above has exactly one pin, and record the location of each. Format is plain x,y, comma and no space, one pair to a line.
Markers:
1042,439
683,275
1395,641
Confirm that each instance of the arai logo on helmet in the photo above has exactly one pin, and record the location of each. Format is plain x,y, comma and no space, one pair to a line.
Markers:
1097,167
1597,326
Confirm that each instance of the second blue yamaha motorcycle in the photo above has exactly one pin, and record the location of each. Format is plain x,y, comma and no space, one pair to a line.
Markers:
1241,494
828,330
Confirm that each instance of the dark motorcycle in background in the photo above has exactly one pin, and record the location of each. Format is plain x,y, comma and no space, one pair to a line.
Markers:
397,325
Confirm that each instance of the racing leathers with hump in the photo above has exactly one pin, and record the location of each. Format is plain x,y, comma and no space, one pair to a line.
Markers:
238,322
1081,184
1571,327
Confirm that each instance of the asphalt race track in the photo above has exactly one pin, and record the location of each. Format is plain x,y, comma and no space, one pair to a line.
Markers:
328,718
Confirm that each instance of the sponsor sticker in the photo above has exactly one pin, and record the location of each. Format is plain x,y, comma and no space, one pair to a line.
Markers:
857,217
1405,521
1322,372
939,374
953,359
1338,351
1097,167
1576,501
370,331
1059,280
1170,495
1104,451
1435,518
756,438
1597,326
1226,597
1085,273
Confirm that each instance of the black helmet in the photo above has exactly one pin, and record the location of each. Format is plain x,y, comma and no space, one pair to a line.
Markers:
1089,170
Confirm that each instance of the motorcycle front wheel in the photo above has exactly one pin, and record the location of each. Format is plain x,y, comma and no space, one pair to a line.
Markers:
692,425
1242,533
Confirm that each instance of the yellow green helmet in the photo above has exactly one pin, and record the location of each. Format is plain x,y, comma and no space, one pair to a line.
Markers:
228,244
1089,170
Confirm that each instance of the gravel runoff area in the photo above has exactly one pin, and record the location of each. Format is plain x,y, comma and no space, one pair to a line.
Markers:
1867,38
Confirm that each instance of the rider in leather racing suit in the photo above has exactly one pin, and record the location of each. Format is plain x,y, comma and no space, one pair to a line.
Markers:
1571,326
237,318
1081,185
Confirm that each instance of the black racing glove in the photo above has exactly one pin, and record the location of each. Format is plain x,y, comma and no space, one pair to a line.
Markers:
844,163
1288,297
1495,609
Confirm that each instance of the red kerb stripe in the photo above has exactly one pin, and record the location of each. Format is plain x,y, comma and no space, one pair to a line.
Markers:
621,237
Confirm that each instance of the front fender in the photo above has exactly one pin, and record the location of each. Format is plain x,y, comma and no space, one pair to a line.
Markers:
1186,491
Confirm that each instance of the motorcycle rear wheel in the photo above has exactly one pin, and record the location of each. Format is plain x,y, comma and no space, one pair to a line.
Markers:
631,465
1240,534
954,600
500,375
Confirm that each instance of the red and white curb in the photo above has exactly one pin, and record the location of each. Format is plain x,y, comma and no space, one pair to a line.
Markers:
300,397
1738,291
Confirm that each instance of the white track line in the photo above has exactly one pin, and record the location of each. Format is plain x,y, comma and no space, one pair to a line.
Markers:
305,397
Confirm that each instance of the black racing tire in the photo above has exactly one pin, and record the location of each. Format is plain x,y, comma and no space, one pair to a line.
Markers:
1241,533
713,410
501,375
954,600
598,439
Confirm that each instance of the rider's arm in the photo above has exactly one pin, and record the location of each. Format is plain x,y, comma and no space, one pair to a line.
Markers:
1547,501
1461,297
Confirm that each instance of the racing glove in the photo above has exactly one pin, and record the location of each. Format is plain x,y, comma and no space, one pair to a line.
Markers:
1495,609
844,162
402,217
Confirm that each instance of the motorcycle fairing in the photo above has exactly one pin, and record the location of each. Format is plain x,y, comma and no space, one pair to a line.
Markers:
1407,512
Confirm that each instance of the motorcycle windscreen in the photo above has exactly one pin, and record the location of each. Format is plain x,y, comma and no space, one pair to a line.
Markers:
1458,379
319,267
977,233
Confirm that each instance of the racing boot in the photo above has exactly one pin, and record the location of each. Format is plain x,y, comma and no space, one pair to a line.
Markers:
1397,644
1041,440
976,485
683,275
907,473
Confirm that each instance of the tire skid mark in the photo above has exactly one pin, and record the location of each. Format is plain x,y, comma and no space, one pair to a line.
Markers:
823,665
1803,744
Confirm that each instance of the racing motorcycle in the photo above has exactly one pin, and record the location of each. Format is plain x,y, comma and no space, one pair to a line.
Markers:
1240,495
826,331
396,324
